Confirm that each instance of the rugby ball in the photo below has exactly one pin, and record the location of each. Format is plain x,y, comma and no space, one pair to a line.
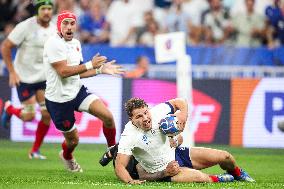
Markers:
169,125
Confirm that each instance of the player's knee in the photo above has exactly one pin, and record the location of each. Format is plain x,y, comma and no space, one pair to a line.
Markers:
45,116
75,141
108,121
226,156
28,116
28,112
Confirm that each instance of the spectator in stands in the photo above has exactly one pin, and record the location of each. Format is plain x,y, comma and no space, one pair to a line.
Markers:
275,23
70,5
141,69
163,3
176,19
237,6
195,8
7,12
119,18
84,6
124,16
25,9
148,37
216,23
7,29
249,26
93,25
148,17
160,11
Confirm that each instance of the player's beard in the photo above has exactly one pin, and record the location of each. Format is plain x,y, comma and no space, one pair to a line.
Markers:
44,21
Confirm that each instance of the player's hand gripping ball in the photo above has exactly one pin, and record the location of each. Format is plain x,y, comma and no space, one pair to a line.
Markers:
169,125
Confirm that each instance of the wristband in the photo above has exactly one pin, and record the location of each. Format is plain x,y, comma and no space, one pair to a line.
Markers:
89,65
99,70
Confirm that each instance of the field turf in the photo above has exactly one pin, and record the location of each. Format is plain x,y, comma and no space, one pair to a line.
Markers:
266,166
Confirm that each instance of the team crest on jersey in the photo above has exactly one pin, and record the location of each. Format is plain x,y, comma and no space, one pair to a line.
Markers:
145,139
77,48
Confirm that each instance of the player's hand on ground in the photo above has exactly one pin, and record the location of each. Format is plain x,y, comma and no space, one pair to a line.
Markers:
182,118
14,79
97,61
172,169
112,69
136,181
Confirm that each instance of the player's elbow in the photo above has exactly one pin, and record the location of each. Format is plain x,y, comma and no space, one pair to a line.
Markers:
5,47
63,73
182,101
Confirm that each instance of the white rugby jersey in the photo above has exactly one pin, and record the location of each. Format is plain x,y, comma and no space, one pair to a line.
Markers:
150,148
56,49
30,37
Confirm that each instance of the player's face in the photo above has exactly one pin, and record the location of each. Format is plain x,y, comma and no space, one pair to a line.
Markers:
68,28
45,13
142,118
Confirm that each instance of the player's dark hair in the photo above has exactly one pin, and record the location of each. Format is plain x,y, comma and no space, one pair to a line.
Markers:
39,3
134,103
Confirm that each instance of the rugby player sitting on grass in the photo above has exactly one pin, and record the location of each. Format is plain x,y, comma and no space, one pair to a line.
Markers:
145,153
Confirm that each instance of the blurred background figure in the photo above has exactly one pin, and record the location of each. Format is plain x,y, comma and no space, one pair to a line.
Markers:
216,22
70,5
148,37
92,24
8,10
123,17
194,10
25,9
249,26
83,6
121,26
275,24
141,69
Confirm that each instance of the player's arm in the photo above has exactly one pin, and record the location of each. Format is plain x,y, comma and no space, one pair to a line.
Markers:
176,141
171,170
181,105
6,52
64,70
109,68
121,171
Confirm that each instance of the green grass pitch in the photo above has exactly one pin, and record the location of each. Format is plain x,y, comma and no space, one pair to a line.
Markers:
266,166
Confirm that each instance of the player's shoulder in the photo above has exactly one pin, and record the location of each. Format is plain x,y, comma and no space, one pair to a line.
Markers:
54,39
52,26
160,107
27,23
130,129
76,41
54,42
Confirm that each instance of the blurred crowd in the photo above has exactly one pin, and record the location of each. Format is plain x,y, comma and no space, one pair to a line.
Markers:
241,23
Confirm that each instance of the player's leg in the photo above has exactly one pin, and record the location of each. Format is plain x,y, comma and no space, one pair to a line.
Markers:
26,112
42,128
68,146
184,159
202,158
108,155
193,175
62,115
93,105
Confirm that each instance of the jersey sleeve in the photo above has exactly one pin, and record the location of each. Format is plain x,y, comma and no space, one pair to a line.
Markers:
126,143
18,34
81,54
163,109
55,51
